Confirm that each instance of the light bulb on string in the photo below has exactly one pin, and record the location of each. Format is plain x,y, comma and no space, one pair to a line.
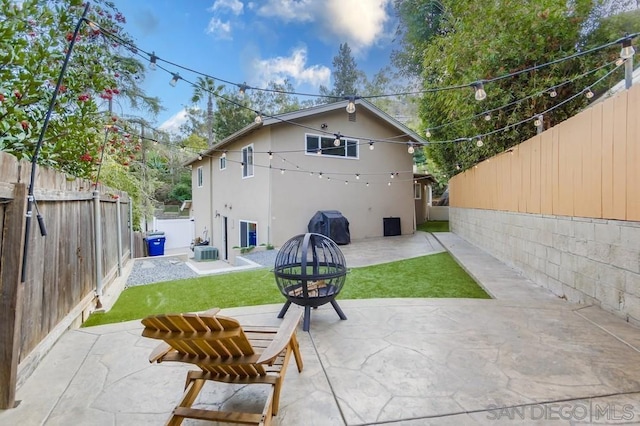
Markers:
367,184
152,61
479,143
319,151
427,133
224,155
336,141
589,93
242,88
346,182
351,106
371,147
538,121
457,166
270,155
320,175
487,117
480,93
175,79
357,176
389,184
258,118
619,62
411,149
553,93
281,171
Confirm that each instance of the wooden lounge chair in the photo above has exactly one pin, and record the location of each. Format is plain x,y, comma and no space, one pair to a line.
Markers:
225,352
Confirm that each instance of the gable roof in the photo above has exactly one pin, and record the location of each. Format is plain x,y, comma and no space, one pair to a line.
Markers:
309,112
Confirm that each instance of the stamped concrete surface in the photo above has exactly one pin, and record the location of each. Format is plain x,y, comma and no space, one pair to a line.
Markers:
525,357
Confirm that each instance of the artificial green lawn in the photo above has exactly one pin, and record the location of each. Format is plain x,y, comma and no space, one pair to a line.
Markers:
436,275
434,226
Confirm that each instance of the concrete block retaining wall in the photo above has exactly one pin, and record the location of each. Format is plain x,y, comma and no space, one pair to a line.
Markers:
587,261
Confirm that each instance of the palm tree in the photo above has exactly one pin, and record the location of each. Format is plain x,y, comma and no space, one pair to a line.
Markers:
206,86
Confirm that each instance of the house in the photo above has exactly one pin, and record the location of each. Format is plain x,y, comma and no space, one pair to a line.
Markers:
263,184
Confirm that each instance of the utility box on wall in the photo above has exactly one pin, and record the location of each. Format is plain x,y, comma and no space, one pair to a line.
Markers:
391,226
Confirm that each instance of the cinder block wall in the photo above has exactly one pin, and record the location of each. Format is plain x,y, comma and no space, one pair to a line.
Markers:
587,261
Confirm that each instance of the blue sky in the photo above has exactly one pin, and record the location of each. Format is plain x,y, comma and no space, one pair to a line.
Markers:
256,41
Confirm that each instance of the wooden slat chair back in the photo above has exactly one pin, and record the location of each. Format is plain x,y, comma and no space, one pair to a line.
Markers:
226,352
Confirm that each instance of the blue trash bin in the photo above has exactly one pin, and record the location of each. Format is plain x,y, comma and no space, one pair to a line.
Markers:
155,243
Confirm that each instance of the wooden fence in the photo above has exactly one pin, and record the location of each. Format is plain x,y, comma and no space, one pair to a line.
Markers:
62,275
587,166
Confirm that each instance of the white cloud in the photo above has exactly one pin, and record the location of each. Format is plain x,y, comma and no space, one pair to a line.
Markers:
235,6
293,67
219,29
173,123
358,22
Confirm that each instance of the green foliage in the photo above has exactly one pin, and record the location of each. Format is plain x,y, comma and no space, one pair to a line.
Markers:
34,37
347,78
471,40
436,275
182,190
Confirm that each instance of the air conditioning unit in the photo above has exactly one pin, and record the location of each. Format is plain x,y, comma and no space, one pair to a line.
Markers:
205,253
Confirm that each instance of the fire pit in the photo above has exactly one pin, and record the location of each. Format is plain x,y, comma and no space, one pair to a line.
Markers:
310,271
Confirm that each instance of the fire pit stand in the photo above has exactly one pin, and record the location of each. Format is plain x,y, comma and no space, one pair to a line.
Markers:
310,270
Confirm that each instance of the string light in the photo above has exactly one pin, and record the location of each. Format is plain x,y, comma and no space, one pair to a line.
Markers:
588,93
389,184
479,142
152,61
553,93
410,149
281,171
367,184
336,142
351,106
224,154
427,133
457,166
258,118
357,176
627,50
199,156
480,94
371,147
346,182
320,175
242,88
175,79
270,155
538,121
392,175
487,117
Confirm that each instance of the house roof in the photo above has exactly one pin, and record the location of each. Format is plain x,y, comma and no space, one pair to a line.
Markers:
308,112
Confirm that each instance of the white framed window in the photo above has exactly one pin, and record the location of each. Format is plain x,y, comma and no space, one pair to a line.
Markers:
417,191
199,177
248,233
223,163
324,145
247,161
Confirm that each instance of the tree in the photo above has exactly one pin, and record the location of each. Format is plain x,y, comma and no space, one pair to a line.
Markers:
510,37
34,37
206,87
347,78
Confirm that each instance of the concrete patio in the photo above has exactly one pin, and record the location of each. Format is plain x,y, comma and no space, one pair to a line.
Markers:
524,357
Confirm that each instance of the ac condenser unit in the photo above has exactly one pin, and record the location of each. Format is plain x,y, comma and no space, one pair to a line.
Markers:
205,253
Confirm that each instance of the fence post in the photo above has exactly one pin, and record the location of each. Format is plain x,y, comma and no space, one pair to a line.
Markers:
131,232
97,217
11,289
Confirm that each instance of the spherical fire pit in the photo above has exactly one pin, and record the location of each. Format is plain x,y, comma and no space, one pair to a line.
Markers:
310,271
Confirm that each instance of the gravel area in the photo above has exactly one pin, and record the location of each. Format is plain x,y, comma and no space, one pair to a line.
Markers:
150,270
264,257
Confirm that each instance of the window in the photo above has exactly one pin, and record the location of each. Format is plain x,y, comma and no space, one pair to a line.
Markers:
223,163
417,191
199,176
248,234
324,145
247,161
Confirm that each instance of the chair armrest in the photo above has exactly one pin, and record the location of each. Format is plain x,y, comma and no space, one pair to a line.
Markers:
282,338
161,350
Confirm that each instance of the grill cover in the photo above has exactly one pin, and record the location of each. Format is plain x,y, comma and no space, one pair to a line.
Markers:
332,224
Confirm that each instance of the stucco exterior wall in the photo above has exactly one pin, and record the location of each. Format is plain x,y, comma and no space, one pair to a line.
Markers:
296,196
282,204
585,260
